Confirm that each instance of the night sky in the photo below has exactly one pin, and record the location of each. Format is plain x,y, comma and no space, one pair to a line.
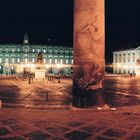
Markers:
51,22
122,25
42,20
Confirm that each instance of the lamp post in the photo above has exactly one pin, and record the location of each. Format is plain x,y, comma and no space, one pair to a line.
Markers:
29,78
12,70
58,66
29,73
59,79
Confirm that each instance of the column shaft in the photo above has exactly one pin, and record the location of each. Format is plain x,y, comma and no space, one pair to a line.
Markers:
89,43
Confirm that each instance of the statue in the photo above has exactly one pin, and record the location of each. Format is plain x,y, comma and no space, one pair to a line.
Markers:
40,58
40,68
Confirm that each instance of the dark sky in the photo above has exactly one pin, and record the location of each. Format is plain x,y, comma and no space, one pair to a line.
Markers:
44,19
40,19
122,25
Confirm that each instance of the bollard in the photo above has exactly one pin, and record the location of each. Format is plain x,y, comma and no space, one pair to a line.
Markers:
0,104
58,79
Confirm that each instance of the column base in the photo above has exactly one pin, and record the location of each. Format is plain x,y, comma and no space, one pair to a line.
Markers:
94,108
88,98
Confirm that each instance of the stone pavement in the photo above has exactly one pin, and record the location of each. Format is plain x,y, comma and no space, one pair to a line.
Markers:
43,94
62,124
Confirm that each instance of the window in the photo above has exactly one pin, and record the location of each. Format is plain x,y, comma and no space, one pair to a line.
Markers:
44,60
50,50
6,49
18,49
18,60
26,50
33,60
0,60
120,58
116,58
44,50
33,50
13,49
124,57
67,61
72,51
61,61
50,61
55,61
71,61
128,57
13,60
38,50
61,51
56,50
6,60
66,51
25,60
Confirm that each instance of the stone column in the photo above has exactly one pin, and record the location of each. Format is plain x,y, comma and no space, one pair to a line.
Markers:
89,43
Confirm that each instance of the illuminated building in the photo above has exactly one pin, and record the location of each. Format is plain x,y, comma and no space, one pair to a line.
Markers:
127,61
14,56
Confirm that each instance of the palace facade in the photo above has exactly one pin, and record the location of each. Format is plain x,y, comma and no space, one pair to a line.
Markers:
127,61
14,58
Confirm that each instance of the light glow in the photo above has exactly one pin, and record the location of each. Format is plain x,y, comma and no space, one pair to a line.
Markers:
126,66
118,65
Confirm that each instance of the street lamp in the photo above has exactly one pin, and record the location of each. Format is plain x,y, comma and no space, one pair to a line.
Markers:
29,73
12,70
58,66
29,79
